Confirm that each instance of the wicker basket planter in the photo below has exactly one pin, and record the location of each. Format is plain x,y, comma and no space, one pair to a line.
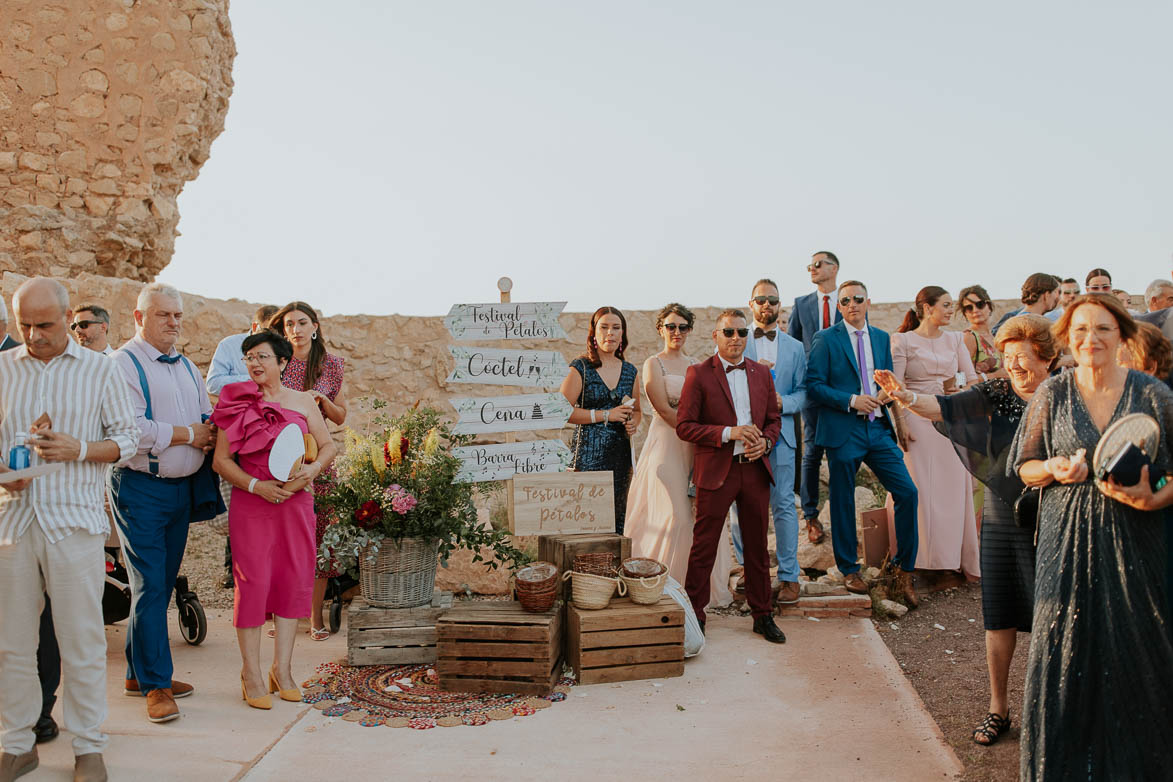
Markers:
591,592
537,586
401,576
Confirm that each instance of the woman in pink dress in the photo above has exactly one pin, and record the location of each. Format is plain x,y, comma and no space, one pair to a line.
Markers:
319,373
659,510
270,522
927,360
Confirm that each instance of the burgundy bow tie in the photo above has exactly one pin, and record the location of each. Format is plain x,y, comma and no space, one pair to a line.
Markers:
759,333
734,367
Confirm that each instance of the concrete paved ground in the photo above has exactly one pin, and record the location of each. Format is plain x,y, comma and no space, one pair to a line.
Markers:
831,703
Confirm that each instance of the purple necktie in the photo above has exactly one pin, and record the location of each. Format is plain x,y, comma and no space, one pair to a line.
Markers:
863,369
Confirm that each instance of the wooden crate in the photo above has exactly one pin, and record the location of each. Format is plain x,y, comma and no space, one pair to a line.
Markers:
393,636
562,549
626,641
496,646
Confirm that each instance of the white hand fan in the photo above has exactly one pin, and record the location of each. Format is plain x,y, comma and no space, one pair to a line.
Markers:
1116,453
287,454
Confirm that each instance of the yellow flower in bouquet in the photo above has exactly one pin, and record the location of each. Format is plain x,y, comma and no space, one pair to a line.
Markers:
378,460
395,447
432,442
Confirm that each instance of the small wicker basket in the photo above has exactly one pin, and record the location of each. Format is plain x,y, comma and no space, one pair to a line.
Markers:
643,567
601,563
645,591
592,592
537,586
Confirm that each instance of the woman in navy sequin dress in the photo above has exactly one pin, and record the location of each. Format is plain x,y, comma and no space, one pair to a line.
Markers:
601,387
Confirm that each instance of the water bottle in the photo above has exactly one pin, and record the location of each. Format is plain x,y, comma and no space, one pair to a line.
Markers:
18,457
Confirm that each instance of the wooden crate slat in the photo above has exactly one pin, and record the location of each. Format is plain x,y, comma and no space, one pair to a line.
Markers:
623,617
462,632
498,669
598,658
645,636
473,684
394,636
392,656
626,673
466,649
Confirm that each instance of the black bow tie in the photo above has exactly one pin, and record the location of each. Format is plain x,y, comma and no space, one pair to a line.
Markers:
169,359
733,367
770,335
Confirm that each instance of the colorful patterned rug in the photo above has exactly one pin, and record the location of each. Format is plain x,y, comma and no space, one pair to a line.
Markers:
409,696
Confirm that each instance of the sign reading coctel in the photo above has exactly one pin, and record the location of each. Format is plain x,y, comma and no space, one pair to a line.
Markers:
506,320
503,367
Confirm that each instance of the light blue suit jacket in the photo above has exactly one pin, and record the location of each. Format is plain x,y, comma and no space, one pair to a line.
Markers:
789,378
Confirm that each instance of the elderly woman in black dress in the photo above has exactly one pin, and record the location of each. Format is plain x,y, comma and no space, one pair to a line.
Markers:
981,422
1100,671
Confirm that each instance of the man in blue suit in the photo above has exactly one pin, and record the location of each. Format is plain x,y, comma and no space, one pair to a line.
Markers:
811,314
854,428
786,360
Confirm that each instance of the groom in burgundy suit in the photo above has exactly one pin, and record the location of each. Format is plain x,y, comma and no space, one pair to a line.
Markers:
728,408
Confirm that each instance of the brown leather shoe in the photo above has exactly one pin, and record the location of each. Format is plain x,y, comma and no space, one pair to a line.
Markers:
89,768
161,705
904,588
814,531
13,766
855,584
178,689
788,594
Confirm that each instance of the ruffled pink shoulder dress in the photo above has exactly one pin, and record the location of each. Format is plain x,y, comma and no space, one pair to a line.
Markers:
273,549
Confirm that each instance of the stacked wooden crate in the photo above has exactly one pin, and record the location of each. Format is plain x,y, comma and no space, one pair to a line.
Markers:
494,646
626,641
393,636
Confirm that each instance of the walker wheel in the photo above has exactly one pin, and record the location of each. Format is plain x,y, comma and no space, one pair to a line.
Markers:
193,624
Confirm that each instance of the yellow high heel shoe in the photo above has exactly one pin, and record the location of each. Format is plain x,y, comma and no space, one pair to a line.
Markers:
293,695
263,702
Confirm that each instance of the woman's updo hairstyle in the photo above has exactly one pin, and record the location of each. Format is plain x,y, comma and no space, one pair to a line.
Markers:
675,309
927,297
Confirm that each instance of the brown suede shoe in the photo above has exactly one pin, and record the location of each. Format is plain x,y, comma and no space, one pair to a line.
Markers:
161,705
89,768
13,766
788,594
904,588
178,689
855,584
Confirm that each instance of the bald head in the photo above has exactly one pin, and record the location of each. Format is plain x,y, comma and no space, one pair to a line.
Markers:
42,313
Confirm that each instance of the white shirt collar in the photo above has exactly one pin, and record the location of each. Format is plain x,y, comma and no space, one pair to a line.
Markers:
725,363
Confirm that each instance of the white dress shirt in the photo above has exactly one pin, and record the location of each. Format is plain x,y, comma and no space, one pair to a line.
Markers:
870,388
739,390
767,348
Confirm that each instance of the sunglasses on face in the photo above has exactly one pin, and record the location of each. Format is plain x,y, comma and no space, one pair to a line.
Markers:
816,265
674,327
83,324
743,333
771,300
971,306
843,302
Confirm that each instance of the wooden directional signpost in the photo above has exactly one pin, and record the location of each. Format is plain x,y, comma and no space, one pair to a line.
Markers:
503,461
519,412
533,320
504,367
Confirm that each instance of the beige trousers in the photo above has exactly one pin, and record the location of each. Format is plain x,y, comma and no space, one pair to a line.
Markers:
72,572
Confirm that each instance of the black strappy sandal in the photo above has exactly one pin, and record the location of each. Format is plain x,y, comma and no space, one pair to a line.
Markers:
991,729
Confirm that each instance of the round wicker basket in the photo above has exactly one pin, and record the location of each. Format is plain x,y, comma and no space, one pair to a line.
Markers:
537,586
645,591
401,576
592,592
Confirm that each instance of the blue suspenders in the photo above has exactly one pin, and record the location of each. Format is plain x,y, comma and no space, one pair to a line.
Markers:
152,460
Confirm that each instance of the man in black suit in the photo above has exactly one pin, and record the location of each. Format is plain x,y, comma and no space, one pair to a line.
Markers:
48,655
812,313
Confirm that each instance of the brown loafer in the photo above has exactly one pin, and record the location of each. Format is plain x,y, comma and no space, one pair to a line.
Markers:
855,584
903,587
89,768
161,705
788,593
815,532
178,689
13,766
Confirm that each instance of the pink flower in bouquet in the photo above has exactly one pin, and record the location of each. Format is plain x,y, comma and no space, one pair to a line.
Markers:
400,498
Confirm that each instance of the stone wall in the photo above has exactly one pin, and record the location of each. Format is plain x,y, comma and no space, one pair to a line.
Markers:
107,108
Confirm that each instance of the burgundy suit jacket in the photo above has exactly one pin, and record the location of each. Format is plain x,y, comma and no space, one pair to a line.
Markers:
706,408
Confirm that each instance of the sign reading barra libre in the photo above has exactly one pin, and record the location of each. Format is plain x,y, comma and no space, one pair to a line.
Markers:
498,462
502,367
511,413
567,502
532,320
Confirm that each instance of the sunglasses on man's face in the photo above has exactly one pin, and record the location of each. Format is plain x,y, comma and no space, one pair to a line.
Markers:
83,324
816,265
843,302
771,300
674,327
743,333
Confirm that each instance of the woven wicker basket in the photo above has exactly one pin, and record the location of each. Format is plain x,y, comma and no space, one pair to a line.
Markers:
592,592
400,576
600,563
537,586
645,591
643,567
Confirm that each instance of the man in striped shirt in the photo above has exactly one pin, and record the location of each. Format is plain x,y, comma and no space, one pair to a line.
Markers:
52,527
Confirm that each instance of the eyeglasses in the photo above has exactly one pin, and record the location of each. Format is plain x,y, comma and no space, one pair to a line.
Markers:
816,265
771,300
743,333
83,324
970,306
843,302
257,358
674,327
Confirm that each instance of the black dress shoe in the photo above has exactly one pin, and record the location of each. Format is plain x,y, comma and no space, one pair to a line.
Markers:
45,729
764,626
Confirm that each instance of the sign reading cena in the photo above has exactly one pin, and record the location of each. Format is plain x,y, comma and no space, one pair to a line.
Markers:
564,503
482,415
506,320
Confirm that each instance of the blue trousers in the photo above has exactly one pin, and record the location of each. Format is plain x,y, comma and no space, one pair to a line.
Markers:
783,511
870,443
812,457
152,515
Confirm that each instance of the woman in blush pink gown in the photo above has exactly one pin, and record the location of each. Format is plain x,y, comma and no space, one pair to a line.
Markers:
659,509
270,521
926,360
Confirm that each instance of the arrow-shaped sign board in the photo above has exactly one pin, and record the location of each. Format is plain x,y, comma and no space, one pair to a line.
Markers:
528,320
504,367
499,462
516,413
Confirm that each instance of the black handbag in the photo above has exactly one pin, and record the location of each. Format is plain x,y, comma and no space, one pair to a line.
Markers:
1026,508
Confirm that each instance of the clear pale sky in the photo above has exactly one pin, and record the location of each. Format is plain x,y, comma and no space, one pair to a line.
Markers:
398,157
